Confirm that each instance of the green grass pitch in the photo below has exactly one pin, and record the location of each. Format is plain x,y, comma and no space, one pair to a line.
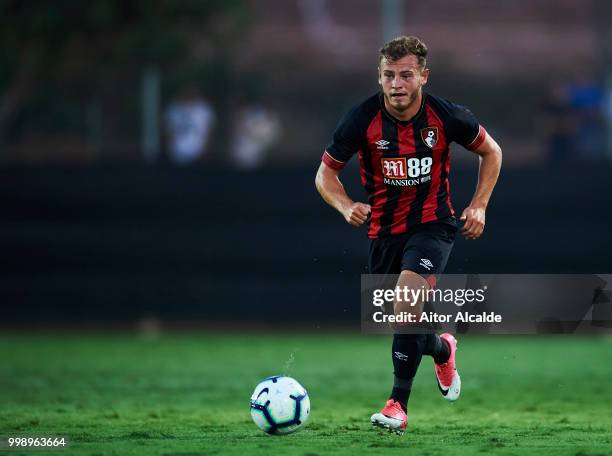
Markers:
188,394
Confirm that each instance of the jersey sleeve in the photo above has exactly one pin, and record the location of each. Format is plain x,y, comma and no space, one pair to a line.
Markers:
345,143
464,129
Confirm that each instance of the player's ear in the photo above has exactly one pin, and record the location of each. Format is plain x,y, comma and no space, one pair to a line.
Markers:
424,75
378,74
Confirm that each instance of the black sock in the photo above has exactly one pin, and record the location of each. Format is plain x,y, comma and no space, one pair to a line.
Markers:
437,348
401,391
407,351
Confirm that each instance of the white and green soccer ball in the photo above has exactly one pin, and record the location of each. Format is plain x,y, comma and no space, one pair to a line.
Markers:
280,405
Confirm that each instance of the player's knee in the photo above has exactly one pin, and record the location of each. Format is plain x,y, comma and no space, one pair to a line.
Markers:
413,289
412,279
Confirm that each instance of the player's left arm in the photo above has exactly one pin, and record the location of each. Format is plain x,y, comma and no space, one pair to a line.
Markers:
473,216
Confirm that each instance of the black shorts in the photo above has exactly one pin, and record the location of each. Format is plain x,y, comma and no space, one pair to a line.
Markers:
424,250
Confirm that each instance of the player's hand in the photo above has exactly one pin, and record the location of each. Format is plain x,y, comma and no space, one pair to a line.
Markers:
474,222
357,213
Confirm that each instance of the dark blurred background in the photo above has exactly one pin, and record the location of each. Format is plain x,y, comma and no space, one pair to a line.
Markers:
157,158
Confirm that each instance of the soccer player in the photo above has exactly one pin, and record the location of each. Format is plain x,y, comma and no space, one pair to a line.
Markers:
402,136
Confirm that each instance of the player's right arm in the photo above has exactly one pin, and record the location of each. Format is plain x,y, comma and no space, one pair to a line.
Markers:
332,191
347,140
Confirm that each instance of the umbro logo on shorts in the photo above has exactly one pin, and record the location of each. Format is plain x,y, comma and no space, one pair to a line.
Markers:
426,264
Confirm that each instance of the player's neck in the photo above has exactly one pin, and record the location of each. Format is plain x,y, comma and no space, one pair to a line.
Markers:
407,114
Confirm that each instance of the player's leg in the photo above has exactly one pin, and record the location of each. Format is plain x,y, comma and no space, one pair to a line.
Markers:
409,343
386,258
427,253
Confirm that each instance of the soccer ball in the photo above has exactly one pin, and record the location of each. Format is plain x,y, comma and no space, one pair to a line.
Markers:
280,405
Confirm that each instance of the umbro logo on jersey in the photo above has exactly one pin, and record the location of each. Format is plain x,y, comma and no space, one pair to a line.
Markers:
382,144
426,264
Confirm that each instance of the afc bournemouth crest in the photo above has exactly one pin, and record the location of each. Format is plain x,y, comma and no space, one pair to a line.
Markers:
429,136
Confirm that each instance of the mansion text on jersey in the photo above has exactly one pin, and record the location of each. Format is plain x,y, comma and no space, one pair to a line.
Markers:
407,182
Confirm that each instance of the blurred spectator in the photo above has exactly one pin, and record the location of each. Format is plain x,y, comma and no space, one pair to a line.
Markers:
256,131
189,120
559,124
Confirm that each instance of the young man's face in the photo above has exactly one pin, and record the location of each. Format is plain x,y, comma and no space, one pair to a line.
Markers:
401,81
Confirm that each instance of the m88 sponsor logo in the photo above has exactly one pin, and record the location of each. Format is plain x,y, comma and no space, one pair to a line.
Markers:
404,172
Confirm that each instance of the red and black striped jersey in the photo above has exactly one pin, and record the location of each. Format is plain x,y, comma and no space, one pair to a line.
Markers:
404,165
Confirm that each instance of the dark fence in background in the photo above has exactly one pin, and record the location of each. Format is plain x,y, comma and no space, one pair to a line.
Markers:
110,244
